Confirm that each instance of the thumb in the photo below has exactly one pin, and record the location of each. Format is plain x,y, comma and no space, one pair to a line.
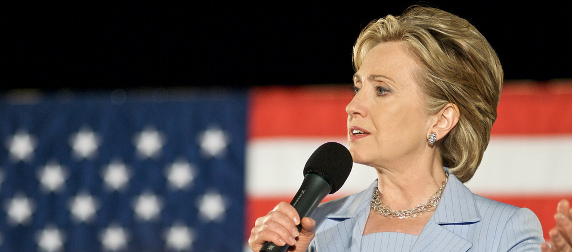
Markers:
308,227
306,234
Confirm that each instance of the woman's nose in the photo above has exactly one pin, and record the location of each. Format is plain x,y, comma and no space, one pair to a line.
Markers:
356,107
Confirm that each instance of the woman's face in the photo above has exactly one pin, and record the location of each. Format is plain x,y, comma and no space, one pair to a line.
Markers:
387,118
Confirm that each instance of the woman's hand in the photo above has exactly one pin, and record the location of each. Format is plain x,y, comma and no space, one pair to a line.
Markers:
279,227
561,235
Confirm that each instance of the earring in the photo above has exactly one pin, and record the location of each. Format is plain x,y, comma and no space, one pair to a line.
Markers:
432,138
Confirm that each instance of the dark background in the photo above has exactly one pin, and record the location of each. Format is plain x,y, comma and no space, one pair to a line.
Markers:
104,45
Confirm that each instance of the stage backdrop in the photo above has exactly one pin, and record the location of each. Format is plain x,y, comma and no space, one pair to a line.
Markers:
188,170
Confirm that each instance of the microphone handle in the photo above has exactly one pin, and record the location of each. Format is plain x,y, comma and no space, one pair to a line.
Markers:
312,191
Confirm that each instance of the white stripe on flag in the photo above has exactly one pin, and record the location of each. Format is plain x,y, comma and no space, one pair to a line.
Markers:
511,166
525,165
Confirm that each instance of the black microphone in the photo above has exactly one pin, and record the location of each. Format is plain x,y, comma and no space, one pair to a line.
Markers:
324,173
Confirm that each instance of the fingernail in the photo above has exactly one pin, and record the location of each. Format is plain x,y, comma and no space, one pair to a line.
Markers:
559,217
281,242
292,240
296,220
295,232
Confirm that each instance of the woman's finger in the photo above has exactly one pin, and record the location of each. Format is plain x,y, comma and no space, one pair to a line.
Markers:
272,232
564,208
289,211
564,221
558,242
546,247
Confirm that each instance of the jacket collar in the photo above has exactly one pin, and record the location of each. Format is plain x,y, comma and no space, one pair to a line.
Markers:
457,206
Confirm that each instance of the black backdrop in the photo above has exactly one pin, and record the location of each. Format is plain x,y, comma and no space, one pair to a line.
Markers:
139,44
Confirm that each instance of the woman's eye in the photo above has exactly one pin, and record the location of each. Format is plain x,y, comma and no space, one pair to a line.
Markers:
381,90
354,89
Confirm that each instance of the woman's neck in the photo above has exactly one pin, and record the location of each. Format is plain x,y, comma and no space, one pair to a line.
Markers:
407,186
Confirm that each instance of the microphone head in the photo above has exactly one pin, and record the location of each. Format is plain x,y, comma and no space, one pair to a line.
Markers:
333,162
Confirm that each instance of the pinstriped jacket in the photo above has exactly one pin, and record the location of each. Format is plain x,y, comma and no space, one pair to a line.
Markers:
462,221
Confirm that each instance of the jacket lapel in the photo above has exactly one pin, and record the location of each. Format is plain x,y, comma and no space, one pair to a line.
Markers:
436,238
457,206
349,221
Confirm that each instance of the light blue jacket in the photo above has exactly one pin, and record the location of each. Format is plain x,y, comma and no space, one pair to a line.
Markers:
462,221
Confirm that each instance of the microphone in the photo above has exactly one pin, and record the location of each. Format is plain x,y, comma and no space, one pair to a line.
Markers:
324,173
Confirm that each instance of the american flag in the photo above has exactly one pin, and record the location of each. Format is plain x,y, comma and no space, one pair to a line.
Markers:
123,171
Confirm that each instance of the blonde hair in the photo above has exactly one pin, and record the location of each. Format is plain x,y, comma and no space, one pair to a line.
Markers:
460,67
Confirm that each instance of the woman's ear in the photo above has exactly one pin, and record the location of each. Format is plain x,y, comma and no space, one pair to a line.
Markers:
447,118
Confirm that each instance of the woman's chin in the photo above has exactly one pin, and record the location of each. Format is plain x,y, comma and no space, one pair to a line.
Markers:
359,159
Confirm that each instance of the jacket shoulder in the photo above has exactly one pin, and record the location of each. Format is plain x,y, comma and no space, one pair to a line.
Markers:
519,228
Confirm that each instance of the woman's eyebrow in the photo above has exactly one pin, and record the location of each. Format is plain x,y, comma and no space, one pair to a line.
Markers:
371,77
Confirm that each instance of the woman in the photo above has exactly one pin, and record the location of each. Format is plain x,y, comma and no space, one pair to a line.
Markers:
427,85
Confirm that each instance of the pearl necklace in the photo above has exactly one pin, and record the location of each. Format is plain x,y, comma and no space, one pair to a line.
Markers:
382,209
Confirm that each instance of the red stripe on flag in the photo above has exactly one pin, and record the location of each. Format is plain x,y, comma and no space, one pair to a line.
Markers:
314,111
318,111
535,109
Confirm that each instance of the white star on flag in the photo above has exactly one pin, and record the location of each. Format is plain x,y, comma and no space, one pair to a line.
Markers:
114,238
212,206
149,143
21,146
116,175
83,207
20,209
52,177
85,143
50,239
213,141
180,174
147,206
179,237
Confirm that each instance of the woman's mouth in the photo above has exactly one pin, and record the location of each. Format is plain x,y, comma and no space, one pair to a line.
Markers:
357,132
